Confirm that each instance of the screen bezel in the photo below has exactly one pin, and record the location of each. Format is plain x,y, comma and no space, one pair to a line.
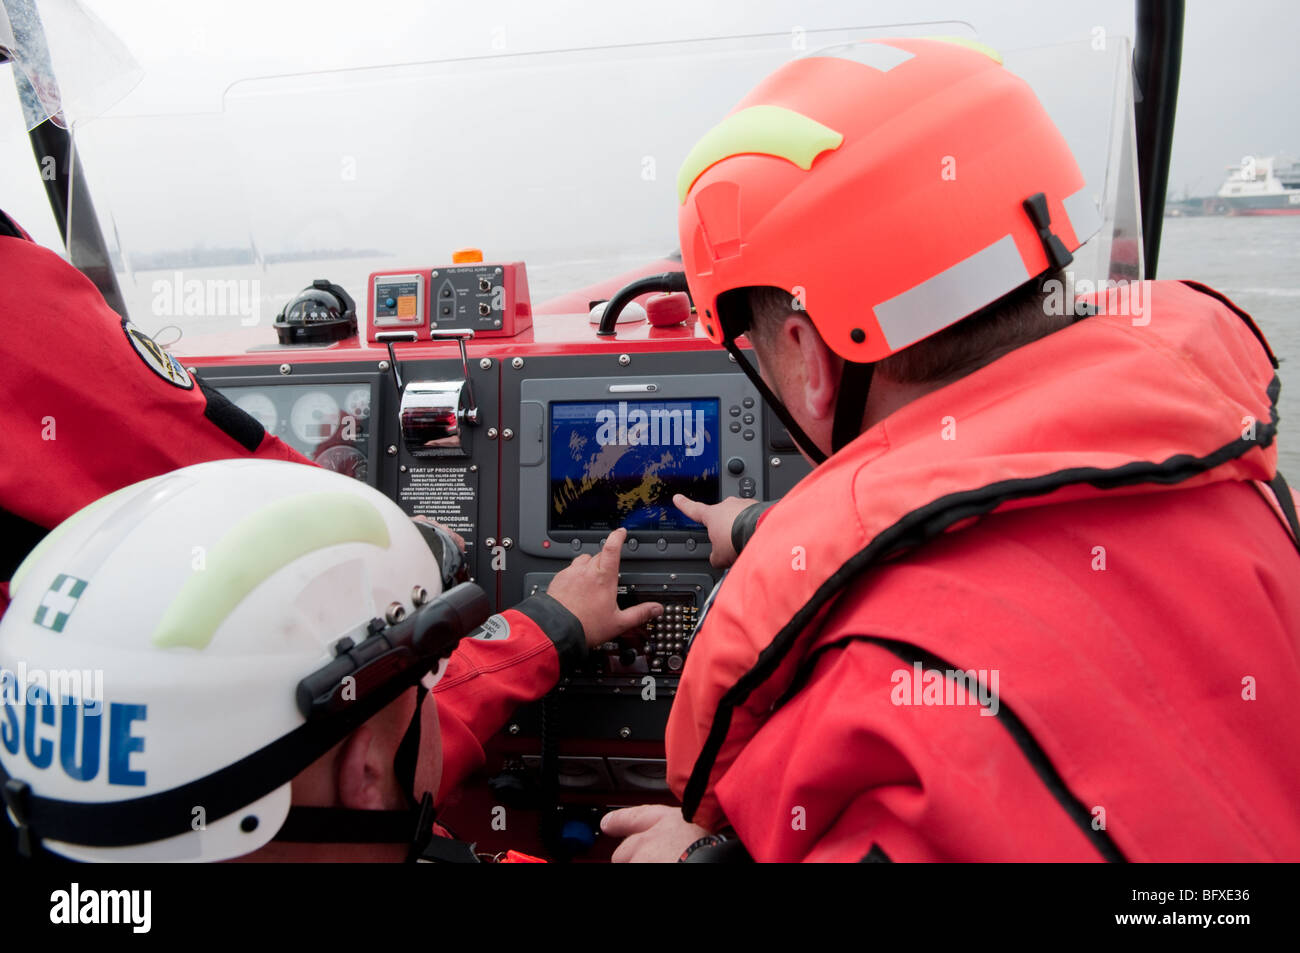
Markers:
536,394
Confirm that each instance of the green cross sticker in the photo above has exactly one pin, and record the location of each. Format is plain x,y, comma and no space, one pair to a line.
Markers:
59,601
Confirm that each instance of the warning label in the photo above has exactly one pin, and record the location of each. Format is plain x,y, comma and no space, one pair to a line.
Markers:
447,494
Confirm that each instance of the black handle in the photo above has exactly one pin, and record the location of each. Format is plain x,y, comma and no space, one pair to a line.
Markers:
668,281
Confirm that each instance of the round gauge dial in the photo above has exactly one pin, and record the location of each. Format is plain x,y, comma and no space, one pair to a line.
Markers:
314,417
261,408
357,403
346,460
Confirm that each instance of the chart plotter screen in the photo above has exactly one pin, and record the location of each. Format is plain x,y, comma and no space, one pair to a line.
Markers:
618,463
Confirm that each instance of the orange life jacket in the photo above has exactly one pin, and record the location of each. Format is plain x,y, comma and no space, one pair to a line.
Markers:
1181,395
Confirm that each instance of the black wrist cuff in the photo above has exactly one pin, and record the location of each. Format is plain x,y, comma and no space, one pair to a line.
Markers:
561,627
742,528
716,849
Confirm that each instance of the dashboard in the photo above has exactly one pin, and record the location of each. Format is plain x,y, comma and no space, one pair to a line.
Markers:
534,446
329,423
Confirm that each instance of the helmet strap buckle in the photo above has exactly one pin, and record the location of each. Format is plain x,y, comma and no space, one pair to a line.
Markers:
1058,256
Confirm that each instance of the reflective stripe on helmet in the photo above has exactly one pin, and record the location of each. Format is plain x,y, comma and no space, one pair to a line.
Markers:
255,548
764,130
1081,210
962,289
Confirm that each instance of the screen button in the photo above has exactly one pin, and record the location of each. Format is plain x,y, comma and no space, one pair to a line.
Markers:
748,435
735,426
734,411
748,487
661,544
748,402
633,544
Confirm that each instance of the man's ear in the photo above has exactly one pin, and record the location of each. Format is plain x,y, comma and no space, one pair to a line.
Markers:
821,367
360,777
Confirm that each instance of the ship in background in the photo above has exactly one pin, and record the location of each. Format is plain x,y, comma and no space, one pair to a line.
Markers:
1265,185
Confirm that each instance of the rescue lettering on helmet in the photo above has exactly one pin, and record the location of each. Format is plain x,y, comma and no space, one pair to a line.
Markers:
33,725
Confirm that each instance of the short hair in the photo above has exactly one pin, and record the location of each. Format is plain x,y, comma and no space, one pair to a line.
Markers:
1016,319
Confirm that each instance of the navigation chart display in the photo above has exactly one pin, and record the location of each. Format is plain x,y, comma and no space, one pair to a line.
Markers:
618,463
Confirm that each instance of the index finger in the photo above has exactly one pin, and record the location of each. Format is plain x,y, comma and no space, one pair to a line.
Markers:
631,820
692,508
609,553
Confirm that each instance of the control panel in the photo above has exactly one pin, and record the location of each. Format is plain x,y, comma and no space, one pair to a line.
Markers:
489,299
658,648
422,446
534,458
399,301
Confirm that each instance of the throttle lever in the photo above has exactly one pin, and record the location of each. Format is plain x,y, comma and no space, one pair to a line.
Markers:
389,338
460,336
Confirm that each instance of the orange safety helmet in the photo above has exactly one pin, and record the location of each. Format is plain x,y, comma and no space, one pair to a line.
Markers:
893,187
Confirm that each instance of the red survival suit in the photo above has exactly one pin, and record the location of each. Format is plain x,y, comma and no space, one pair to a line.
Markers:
91,405
1048,612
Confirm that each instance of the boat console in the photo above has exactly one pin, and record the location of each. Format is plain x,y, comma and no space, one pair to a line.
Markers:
533,446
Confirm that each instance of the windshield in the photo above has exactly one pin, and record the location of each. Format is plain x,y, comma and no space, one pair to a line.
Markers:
564,160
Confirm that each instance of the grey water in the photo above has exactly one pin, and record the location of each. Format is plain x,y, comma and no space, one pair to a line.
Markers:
1255,261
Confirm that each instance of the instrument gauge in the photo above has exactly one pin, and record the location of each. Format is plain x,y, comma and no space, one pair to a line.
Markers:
346,460
314,417
357,403
262,409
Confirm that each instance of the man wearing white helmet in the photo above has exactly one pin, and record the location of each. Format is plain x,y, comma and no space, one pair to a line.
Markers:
231,660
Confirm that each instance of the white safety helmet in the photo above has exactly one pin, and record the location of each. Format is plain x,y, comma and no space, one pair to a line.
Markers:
176,652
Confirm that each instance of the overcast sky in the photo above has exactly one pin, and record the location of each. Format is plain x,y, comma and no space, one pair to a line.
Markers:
1237,93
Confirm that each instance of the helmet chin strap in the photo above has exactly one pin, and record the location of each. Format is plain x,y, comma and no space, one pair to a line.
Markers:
408,749
801,439
344,825
850,404
341,825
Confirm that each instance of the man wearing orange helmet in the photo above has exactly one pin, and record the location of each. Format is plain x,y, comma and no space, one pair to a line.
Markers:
1040,598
